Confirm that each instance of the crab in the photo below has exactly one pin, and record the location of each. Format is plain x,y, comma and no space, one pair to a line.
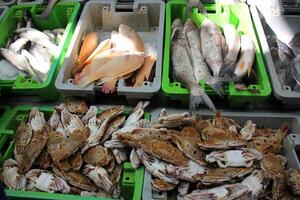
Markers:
256,183
76,179
47,181
191,172
120,155
273,165
160,185
234,158
228,192
98,126
224,123
100,177
134,159
173,120
11,177
98,155
114,125
187,142
248,130
70,122
221,175
293,181
216,138
164,150
156,167
76,106
183,187
75,161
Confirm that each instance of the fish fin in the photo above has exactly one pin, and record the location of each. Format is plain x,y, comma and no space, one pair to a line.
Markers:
226,69
198,96
197,4
109,87
216,83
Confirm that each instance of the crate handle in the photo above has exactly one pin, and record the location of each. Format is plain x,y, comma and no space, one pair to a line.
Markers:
124,5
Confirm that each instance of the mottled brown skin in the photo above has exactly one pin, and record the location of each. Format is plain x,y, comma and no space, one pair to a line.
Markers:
97,155
273,165
44,160
113,126
265,132
76,106
76,161
293,181
272,143
70,144
23,137
221,175
161,185
139,134
223,123
115,175
164,150
33,149
78,180
187,142
200,124
216,138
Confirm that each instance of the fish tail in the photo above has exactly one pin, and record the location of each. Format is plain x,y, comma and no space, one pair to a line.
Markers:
198,96
216,83
47,12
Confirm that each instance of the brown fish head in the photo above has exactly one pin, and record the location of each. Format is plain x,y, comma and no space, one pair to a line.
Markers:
273,165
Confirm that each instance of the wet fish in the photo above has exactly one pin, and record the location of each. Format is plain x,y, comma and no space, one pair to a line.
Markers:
246,60
17,45
17,60
40,52
38,37
200,67
233,43
183,70
211,43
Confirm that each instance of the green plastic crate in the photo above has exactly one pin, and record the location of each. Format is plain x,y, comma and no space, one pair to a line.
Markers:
221,13
4,111
132,180
64,15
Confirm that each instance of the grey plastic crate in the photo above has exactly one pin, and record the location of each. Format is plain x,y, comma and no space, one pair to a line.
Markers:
30,1
284,26
7,2
3,9
261,119
150,26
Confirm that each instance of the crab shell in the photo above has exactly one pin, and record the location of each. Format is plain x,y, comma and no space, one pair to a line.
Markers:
11,178
293,180
97,155
221,175
76,106
273,165
234,158
173,120
248,130
224,123
256,183
160,185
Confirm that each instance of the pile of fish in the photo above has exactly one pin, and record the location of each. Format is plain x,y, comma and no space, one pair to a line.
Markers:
29,52
205,54
199,158
67,153
286,59
122,56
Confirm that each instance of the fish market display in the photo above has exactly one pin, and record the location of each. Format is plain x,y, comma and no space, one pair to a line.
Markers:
204,54
67,153
286,58
123,56
29,52
216,158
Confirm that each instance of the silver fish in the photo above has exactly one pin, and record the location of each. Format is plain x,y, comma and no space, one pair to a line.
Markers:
51,35
40,68
47,12
17,45
211,43
200,67
233,43
40,52
38,37
17,60
58,31
183,71
246,60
